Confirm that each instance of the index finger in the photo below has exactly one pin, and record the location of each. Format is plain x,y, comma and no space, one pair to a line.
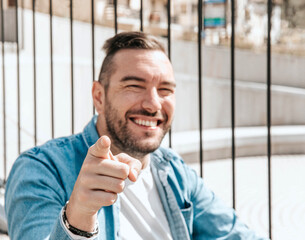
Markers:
101,149
134,164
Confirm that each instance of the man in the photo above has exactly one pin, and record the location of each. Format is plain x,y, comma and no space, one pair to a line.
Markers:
112,181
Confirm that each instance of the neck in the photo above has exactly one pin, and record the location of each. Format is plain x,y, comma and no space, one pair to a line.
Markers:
102,130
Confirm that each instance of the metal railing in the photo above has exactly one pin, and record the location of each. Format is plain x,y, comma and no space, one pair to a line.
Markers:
115,2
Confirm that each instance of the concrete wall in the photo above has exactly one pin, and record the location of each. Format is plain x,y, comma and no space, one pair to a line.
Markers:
250,104
250,66
288,94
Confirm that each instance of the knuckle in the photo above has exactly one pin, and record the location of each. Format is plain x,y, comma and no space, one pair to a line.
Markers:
116,185
120,186
124,171
110,199
122,156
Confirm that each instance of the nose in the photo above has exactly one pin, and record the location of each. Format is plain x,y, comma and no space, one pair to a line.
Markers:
151,101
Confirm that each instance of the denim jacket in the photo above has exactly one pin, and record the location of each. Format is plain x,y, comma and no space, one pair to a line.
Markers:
42,179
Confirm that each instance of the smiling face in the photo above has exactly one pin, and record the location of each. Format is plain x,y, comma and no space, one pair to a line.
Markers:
137,108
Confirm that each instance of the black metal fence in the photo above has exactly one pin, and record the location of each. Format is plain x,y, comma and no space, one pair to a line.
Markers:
14,30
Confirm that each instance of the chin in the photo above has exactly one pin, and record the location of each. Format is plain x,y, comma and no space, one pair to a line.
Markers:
152,140
151,145
148,145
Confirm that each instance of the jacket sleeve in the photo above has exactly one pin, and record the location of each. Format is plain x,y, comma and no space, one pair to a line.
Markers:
33,201
212,218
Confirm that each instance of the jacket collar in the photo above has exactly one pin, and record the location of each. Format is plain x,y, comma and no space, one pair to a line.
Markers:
90,133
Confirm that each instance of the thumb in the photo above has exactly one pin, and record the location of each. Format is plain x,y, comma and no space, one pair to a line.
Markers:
101,149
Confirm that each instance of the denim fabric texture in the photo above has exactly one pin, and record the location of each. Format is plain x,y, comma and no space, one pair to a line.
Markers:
42,179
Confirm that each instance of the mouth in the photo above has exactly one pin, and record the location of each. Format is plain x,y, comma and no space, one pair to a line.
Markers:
146,123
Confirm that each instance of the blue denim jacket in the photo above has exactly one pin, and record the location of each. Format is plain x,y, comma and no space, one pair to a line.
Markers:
42,179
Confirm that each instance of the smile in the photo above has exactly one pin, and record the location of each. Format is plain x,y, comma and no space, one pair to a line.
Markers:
146,123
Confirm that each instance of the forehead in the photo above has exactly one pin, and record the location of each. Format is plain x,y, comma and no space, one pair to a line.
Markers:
153,63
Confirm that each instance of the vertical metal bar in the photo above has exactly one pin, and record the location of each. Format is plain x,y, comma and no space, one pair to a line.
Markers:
34,74
22,22
169,28
141,15
269,115
169,51
93,45
51,66
18,78
200,85
233,98
72,63
3,96
115,16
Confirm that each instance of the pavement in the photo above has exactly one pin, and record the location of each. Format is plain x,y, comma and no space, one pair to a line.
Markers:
287,191
288,194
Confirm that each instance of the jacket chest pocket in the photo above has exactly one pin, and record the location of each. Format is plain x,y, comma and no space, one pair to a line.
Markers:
188,214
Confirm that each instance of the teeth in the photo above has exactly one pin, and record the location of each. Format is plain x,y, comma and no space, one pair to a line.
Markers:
146,123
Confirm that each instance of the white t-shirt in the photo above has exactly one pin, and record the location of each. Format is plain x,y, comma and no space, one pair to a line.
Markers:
142,215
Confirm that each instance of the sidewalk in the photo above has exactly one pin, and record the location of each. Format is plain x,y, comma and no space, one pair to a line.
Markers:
288,194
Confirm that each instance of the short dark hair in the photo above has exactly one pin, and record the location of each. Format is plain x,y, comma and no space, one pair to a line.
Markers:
124,40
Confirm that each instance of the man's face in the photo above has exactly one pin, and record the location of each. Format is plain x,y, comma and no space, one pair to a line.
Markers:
140,100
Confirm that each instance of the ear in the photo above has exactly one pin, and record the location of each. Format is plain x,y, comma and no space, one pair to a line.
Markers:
98,96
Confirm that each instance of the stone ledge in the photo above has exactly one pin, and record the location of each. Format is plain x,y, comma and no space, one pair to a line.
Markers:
249,141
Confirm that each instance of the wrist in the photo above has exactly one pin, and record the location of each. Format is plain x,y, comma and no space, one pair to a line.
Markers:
79,219
76,231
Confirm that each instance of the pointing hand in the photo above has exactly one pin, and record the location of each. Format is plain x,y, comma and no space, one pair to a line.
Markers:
101,178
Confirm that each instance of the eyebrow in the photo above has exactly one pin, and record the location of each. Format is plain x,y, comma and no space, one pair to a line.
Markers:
134,78
139,79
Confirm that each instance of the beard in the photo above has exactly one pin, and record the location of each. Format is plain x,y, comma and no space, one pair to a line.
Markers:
124,138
